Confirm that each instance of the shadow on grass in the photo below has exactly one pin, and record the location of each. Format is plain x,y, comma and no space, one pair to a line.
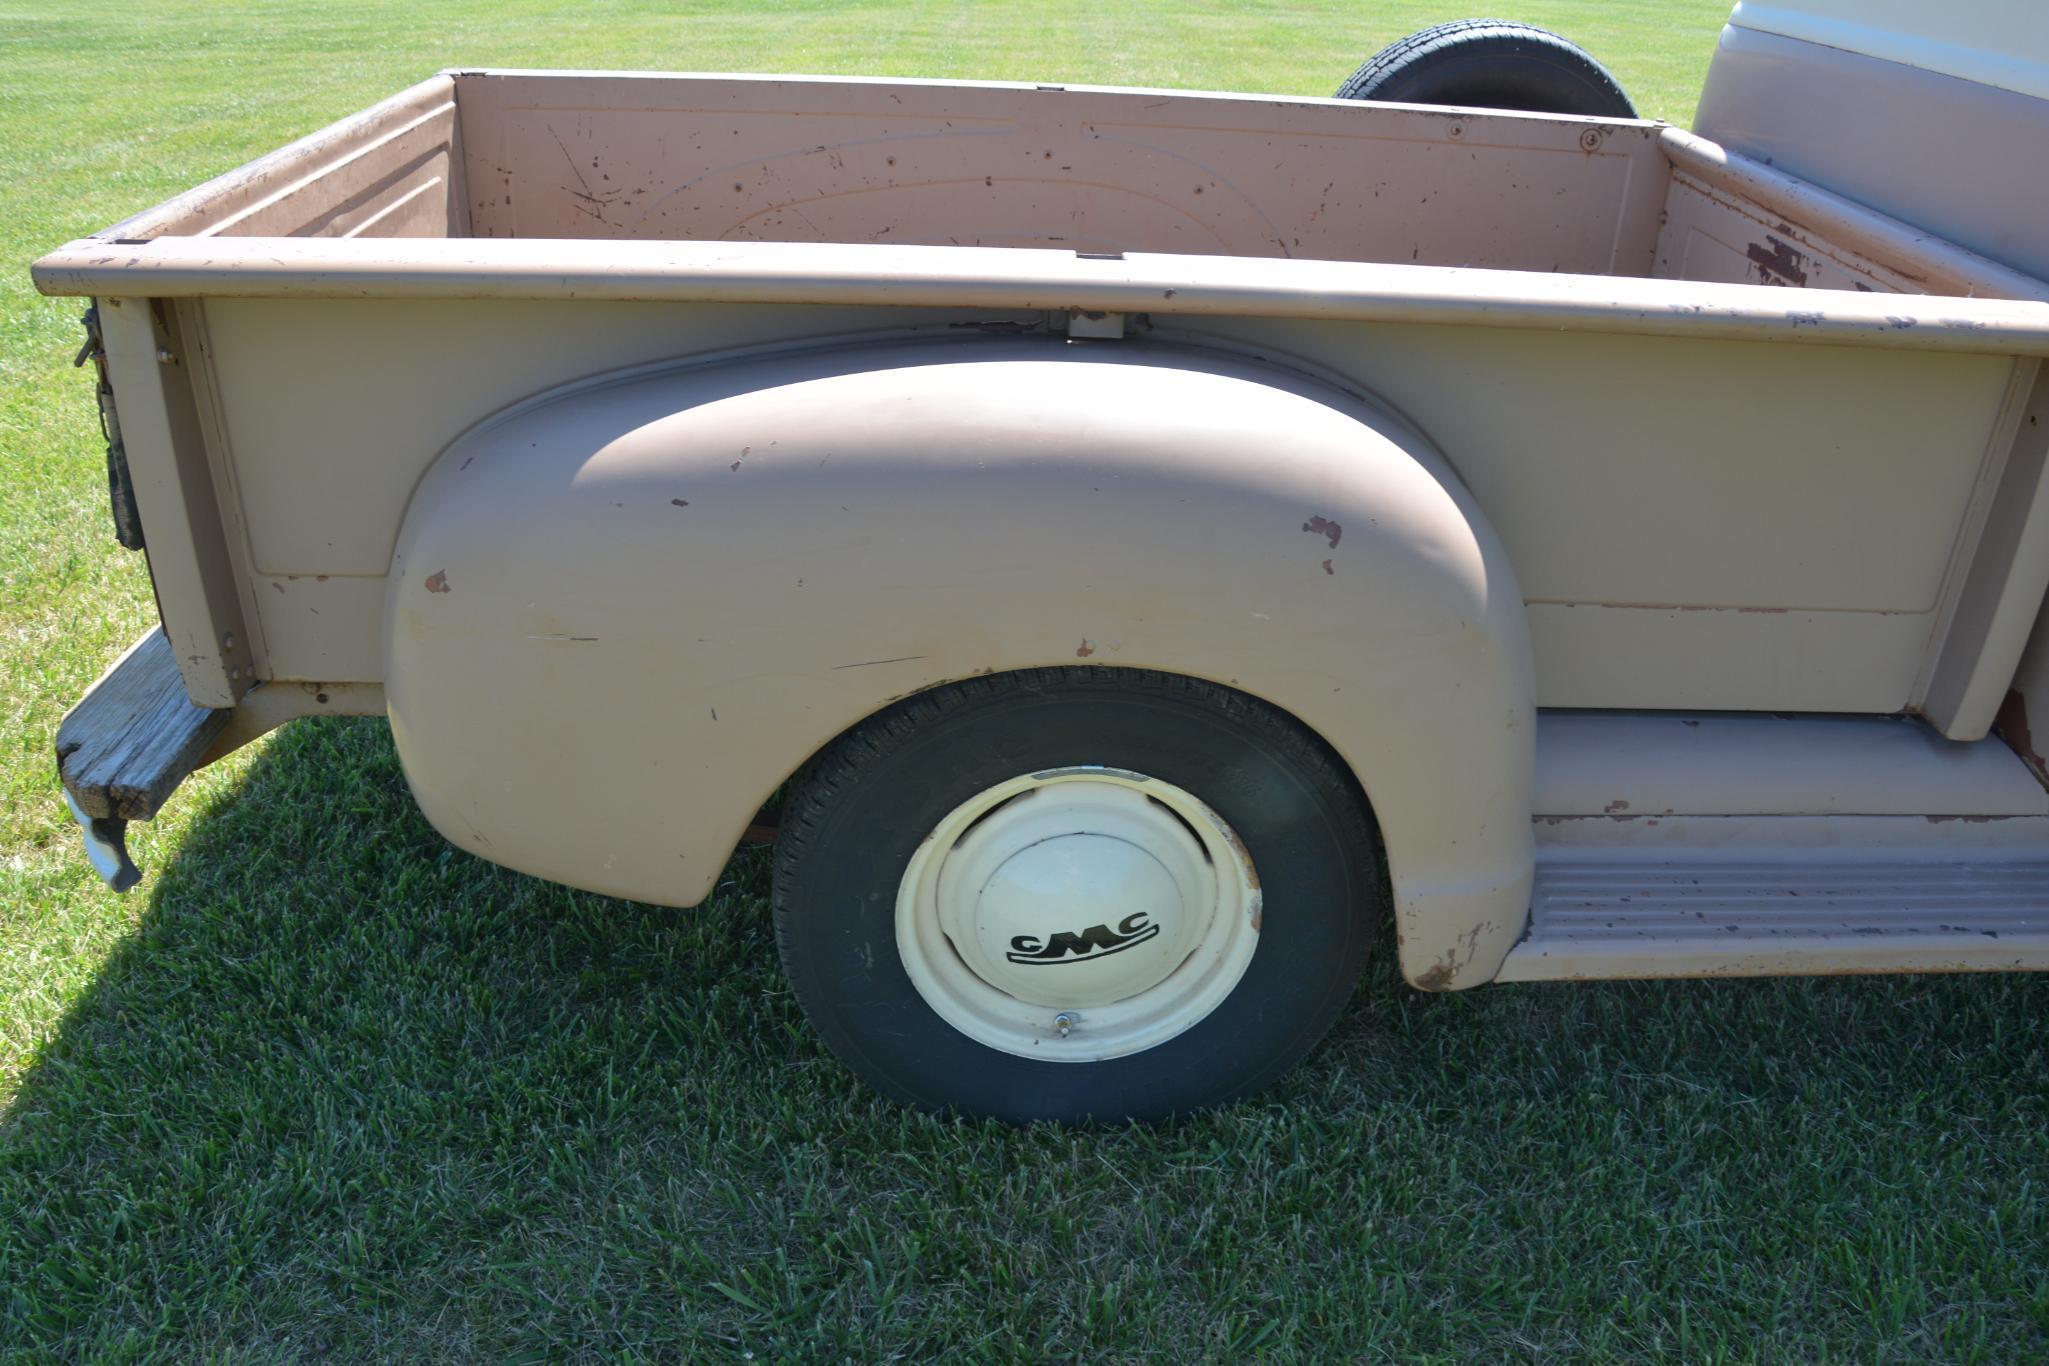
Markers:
347,1089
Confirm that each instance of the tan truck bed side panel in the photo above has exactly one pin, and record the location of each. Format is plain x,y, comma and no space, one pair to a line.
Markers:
394,170
327,477
1736,659
1616,469
762,158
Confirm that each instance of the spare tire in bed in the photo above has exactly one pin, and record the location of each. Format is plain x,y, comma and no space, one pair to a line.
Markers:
1491,64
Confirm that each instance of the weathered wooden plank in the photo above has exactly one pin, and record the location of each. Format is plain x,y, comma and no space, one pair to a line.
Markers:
134,736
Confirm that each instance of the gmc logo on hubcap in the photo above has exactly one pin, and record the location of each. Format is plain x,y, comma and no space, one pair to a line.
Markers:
1069,946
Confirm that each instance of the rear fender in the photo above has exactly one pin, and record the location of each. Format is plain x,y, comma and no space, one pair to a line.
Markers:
620,617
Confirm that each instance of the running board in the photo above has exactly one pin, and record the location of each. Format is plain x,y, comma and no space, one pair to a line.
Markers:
1732,846
1592,918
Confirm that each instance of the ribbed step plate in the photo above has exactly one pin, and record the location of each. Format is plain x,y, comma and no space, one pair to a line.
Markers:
1633,918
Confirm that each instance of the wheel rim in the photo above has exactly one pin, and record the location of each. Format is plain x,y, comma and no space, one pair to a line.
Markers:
1078,914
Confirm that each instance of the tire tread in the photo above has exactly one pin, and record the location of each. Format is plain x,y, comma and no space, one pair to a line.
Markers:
1460,35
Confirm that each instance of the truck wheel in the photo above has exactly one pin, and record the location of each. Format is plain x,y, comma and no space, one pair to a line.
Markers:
1075,894
1490,64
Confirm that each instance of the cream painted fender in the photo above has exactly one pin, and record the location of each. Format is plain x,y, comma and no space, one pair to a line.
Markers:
622,614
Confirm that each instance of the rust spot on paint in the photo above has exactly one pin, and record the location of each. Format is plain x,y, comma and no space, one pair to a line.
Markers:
1438,977
1777,263
2012,727
1251,873
437,582
1084,650
1325,527
1327,569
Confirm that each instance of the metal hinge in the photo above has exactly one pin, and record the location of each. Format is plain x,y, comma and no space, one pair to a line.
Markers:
120,488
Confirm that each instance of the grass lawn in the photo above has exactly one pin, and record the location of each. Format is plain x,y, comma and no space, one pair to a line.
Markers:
323,1085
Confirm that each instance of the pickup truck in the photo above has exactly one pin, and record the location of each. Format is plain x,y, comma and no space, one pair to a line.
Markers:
1128,544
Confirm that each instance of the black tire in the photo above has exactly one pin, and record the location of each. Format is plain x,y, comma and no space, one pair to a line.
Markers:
1490,64
863,806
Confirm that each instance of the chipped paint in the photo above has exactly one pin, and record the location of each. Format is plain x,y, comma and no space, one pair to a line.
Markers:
2011,725
1244,861
1778,263
437,582
1439,975
1325,527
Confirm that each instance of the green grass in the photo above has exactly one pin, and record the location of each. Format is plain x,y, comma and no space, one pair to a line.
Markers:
325,1086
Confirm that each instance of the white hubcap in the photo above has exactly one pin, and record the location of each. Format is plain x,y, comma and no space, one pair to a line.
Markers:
1078,915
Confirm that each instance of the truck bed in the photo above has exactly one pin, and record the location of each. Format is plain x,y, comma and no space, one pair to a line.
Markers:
676,158
1718,495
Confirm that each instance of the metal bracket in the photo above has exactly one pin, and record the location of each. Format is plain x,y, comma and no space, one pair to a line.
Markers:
106,846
